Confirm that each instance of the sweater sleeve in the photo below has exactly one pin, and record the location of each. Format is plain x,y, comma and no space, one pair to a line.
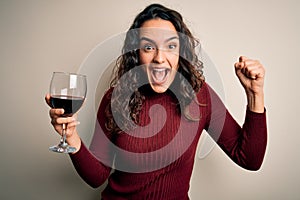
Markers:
245,145
93,164
89,168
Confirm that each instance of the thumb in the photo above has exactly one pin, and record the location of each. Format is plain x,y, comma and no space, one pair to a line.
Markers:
238,66
242,58
238,71
47,99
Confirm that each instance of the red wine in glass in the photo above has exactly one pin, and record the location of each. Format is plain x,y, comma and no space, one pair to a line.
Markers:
67,91
70,104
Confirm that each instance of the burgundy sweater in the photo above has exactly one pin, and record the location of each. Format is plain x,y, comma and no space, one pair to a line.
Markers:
155,160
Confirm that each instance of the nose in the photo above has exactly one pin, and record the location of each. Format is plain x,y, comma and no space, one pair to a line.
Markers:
159,56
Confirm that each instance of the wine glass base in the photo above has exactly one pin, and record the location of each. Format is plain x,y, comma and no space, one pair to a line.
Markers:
59,149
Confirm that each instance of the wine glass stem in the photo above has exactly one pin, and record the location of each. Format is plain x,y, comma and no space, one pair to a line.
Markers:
63,142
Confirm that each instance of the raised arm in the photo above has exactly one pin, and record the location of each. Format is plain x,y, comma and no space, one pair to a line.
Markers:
245,144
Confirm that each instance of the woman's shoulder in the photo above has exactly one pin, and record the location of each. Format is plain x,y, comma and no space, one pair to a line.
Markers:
109,91
208,95
203,93
106,97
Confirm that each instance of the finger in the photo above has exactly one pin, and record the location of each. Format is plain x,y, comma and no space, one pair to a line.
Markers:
249,62
241,70
239,65
242,58
58,129
252,74
70,127
247,66
253,69
243,61
63,120
73,124
47,99
56,112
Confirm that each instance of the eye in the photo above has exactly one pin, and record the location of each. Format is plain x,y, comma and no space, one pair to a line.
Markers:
148,47
172,47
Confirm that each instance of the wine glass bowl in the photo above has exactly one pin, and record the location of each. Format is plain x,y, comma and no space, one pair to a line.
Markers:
70,104
67,91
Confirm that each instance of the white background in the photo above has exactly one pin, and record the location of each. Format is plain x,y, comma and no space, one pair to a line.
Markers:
39,37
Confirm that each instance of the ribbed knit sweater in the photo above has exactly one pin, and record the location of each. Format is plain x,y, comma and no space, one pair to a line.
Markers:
155,161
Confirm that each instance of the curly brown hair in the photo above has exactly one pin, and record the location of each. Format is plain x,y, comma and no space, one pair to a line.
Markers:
127,77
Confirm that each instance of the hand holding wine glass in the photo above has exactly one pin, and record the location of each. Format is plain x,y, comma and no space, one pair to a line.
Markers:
67,94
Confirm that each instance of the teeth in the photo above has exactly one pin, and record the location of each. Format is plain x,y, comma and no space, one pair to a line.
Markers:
159,70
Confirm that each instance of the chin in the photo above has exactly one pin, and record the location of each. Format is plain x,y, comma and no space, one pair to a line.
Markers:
159,88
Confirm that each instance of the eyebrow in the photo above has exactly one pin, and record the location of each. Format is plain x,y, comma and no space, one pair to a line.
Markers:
152,41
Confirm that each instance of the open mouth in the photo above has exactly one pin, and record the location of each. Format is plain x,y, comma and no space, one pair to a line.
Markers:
159,75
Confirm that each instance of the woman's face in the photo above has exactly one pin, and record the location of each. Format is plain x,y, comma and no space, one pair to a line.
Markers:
159,53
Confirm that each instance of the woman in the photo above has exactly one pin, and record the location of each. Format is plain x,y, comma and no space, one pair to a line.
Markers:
151,118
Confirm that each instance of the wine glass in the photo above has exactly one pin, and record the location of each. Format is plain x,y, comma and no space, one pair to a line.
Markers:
67,91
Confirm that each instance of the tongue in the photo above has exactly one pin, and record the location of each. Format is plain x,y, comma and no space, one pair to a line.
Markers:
159,75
